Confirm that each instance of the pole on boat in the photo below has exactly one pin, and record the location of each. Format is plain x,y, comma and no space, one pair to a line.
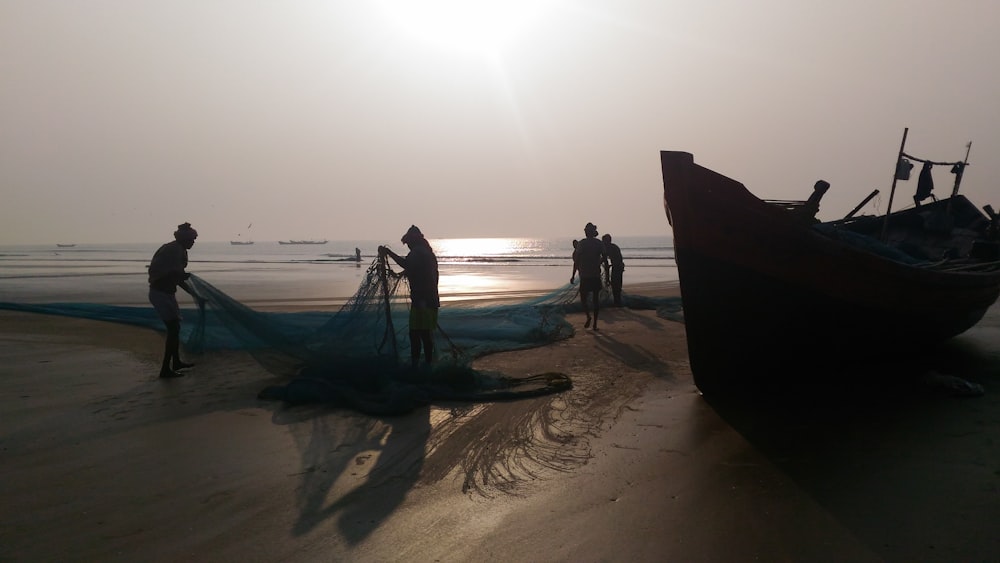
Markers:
860,205
383,277
960,169
892,192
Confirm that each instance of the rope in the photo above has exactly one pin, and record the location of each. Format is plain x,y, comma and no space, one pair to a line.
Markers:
455,350
957,163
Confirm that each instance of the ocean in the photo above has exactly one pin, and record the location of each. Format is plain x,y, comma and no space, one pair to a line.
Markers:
275,276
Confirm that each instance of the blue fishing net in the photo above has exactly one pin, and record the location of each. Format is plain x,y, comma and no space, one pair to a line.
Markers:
359,356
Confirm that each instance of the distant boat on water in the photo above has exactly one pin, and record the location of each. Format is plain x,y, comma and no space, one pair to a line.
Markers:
324,241
241,242
65,245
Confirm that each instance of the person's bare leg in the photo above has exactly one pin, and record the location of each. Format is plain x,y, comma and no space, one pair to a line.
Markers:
428,339
597,306
583,301
175,355
171,348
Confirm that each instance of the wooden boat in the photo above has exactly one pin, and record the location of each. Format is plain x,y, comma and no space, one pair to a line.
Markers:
64,245
239,238
302,242
768,290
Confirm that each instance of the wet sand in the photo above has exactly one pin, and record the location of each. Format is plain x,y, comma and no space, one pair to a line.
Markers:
104,462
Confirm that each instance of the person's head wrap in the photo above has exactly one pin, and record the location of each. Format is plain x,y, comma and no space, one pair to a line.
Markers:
590,228
185,232
412,235
606,237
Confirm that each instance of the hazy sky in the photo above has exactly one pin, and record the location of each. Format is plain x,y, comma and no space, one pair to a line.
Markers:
120,119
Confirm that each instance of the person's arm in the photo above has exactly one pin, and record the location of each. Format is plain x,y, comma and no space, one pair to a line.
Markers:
183,284
572,277
386,251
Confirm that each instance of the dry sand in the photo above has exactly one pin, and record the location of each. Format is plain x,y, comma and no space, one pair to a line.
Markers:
101,461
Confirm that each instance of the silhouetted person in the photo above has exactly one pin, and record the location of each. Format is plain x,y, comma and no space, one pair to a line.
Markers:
572,277
357,254
166,274
614,268
589,258
421,269
810,208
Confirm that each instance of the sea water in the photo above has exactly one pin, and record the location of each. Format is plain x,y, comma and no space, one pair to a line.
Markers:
277,276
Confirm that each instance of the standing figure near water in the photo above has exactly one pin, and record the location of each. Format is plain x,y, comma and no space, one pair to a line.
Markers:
572,277
589,257
166,274
421,269
614,268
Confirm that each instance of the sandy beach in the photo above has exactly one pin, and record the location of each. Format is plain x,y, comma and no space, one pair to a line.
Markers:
102,461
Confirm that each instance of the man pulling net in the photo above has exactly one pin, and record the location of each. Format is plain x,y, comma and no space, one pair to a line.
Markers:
421,270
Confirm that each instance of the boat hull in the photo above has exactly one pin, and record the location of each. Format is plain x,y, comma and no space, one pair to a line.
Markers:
766,294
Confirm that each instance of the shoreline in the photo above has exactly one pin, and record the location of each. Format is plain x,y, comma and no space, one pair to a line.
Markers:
275,298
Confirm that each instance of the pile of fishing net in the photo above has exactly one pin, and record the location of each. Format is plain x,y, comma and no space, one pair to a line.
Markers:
359,356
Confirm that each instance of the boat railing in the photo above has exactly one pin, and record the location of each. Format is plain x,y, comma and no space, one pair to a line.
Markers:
786,203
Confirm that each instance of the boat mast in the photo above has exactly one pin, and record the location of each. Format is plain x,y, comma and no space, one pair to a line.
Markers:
892,192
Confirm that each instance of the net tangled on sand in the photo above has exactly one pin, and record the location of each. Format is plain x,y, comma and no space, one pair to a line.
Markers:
358,357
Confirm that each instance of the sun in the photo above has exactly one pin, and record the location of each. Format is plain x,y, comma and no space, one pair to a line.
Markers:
475,27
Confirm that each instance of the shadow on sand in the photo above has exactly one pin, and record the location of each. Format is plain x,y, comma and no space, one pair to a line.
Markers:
910,467
355,467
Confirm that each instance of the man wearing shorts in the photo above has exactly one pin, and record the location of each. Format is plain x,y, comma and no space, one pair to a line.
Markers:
614,268
588,259
421,269
166,274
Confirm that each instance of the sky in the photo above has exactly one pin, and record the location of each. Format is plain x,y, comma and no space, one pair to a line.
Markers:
345,120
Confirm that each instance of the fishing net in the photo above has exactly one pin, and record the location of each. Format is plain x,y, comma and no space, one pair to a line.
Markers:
359,356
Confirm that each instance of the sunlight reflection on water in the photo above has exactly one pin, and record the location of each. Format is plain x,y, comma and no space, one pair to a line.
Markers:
485,247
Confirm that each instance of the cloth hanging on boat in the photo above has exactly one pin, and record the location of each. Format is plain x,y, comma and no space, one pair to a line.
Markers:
925,184
903,167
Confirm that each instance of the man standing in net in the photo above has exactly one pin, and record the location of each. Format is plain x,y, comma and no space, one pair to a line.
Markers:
421,269
166,274
614,268
589,257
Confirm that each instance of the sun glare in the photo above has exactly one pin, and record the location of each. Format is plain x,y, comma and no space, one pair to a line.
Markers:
479,27
478,247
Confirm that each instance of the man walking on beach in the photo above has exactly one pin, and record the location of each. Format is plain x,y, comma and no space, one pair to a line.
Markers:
590,255
166,274
614,267
421,269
